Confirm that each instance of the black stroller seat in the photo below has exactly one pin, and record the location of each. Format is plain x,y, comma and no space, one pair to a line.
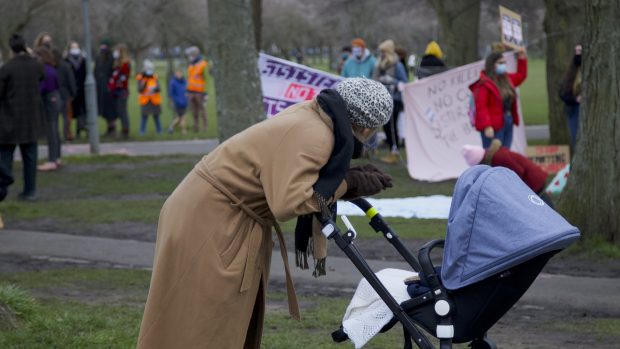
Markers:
500,236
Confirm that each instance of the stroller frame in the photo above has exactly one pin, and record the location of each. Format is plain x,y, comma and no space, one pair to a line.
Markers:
443,306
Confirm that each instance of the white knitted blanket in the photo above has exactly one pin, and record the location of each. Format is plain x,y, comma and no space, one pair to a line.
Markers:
367,313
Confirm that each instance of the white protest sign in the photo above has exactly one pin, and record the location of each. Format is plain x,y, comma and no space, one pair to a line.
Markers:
285,83
437,124
511,28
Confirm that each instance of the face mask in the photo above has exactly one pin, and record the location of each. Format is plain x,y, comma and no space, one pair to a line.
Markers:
148,72
116,55
74,51
577,60
357,52
345,56
500,69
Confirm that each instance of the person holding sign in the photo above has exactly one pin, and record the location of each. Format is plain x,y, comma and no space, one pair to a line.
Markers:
214,237
495,98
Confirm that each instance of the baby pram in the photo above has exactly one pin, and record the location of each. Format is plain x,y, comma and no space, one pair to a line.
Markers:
500,235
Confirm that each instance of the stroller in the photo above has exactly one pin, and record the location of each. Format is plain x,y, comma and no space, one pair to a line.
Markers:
500,235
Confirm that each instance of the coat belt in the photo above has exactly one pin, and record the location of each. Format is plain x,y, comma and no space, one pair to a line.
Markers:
250,267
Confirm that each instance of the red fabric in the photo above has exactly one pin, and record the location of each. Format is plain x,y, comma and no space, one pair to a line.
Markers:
528,171
489,107
120,78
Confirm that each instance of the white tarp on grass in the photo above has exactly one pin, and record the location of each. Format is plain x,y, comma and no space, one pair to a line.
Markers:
435,206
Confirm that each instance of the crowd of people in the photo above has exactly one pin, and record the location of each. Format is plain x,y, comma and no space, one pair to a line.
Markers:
42,84
390,69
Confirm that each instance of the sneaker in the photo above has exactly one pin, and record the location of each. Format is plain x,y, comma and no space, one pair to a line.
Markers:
391,159
47,166
27,197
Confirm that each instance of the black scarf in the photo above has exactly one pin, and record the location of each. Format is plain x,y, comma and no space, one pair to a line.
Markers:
330,175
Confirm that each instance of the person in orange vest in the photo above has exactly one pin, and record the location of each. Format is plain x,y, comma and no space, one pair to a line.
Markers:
197,86
150,97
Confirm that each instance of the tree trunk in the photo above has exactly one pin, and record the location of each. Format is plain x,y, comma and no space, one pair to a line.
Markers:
591,199
563,24
237,82
459,20
257,22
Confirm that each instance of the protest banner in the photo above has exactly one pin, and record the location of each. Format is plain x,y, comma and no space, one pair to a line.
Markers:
285,83
437,122
511,28
551,158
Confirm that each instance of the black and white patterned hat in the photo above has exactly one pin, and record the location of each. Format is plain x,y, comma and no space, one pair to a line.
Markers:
368,102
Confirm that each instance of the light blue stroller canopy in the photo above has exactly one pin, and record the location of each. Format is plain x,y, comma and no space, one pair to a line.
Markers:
496,222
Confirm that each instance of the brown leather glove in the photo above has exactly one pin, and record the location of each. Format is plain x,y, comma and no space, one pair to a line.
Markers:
365,181
385,178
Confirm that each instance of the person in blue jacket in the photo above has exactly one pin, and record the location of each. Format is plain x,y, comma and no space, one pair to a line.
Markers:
360,63
178,95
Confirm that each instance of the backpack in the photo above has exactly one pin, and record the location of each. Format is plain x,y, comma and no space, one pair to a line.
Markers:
471,108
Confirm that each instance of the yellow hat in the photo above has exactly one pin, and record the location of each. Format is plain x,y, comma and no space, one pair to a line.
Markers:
433,49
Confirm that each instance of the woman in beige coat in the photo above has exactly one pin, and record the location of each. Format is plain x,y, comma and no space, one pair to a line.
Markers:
214,238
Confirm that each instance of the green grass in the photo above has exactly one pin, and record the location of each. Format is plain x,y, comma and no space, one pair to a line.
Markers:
534,94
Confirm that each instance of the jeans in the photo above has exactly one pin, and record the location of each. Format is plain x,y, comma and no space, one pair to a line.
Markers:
120,108
572,112
504,134
52,106
29,160
145,119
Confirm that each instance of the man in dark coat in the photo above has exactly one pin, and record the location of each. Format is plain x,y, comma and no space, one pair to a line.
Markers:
21,122
104,66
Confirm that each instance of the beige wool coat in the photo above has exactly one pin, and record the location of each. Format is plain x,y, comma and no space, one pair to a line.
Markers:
214,238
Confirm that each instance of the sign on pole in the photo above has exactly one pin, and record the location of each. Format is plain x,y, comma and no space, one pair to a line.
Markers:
511,28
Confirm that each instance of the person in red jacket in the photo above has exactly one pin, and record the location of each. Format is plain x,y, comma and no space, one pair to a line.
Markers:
496,99
497,155
118,87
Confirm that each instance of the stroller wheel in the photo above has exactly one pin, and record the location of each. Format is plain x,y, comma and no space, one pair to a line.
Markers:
483,343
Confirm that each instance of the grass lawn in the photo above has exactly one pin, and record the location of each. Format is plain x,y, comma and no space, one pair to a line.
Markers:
102,308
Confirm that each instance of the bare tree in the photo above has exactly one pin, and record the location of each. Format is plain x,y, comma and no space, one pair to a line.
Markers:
564,21
591,199
16,15
237,82
459,21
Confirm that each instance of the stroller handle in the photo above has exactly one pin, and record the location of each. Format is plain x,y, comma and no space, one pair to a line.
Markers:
380,226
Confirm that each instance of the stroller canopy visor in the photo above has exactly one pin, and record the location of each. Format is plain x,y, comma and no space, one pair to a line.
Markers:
495,223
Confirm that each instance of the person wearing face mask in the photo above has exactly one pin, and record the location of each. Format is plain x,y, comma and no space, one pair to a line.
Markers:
43,39
345,54
78,104
104,66
118,85
361,63
149,96
214,239
197,87
570,93
496,99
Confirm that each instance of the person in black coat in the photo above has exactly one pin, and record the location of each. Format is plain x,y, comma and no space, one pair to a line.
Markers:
104,66
78,64
431,62
21,122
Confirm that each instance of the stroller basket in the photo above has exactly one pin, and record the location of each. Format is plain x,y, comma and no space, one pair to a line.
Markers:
470,295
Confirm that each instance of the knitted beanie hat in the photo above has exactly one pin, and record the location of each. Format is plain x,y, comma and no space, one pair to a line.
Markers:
433,49
473,154
358,42
368,102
